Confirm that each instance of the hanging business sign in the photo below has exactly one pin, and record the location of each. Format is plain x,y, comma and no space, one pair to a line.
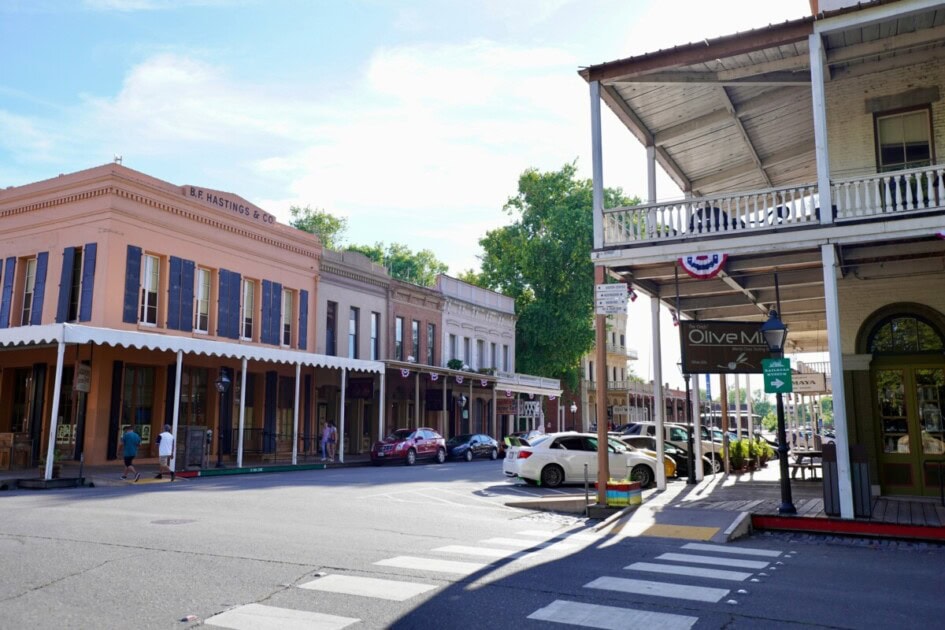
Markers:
716,347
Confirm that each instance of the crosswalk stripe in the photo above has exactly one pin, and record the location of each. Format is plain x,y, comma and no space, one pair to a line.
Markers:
525,544
610,617
659,589
675,569
430,564
722,562
260,617
743,551
484,552
395,591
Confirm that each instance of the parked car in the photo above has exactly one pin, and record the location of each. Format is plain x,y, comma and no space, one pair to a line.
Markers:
472,445
678,434
408,446
678,454
557,458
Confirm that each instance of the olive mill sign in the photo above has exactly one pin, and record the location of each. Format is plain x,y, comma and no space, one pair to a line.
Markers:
715,347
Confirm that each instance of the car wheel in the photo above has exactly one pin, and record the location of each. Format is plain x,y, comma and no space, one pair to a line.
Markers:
440,456
641,473
468,455
494,454
411,458
552,476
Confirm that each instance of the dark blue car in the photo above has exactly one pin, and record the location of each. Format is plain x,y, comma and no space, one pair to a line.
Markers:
472,445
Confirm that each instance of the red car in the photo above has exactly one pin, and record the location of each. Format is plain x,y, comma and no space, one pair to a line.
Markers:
409,445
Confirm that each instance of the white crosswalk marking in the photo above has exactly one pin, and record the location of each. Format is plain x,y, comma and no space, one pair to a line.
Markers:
431,564
395,591
722,562
610,617
675,569
484,552
742,551
260,617
659,589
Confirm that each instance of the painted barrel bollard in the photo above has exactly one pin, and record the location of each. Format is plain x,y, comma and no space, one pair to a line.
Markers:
621,493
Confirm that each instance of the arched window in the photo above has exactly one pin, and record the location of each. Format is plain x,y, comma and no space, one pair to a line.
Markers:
904,334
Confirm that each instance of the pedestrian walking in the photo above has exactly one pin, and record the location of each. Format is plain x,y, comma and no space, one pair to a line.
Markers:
129,450
165,443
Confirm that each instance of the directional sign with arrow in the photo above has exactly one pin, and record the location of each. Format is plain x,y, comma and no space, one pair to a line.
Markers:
777,375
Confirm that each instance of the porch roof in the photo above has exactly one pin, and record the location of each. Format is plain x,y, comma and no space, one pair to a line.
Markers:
24,336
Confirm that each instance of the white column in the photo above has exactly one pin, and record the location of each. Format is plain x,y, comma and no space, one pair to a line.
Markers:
696,428
821,148
239,439
341,417
175,415
53,417
836,380
295,416
659,404
597,167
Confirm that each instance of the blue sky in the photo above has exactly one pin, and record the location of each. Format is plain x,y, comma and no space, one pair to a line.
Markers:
413,118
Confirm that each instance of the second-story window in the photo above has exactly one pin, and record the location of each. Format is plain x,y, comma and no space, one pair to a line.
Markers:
150,281
415,339
399,338
353,330
288,315
331,329
375,336
431,342
202,301
248,309
29,289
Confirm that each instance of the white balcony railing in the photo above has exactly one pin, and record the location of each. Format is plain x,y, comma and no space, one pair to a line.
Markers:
899,191
733,213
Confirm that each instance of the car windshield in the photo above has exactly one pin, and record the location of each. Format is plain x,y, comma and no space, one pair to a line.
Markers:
400,434
459,439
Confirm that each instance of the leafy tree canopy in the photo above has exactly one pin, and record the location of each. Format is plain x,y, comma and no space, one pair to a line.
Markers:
402,263
327,227
543,261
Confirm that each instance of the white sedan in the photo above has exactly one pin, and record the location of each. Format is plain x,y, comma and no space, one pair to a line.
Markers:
557,458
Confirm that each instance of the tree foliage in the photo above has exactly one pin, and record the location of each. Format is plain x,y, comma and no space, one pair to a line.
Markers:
327,227
543,261
402,263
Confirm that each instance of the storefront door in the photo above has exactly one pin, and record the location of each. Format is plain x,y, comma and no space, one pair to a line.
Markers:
912,435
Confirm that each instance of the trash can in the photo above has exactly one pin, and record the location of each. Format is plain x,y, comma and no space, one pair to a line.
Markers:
831,480
860,473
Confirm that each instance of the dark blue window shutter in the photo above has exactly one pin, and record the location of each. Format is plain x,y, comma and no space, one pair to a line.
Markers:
88,282
132,285
276,315
65,284
7,296
266,315
173,294
223,305
187,295
39,289
235,284
303,319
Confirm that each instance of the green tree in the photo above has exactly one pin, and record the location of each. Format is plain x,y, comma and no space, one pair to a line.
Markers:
402,263
543,261
327,227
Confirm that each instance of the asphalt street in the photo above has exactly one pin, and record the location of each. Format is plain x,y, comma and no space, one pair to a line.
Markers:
432,546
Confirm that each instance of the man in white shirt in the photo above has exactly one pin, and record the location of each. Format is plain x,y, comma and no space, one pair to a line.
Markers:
165,451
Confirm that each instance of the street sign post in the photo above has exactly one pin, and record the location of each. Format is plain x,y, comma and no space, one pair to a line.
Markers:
777,375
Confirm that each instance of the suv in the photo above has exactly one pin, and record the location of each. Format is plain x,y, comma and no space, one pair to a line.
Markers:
678,434
409,445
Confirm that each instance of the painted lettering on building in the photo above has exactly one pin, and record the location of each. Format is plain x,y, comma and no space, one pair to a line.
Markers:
230,203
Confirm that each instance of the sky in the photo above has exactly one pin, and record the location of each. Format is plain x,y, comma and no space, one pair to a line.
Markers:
412,118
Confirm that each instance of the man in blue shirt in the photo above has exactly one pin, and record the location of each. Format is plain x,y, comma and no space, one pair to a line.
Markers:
129,449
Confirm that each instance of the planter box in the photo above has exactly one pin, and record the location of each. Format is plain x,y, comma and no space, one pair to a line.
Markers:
623,493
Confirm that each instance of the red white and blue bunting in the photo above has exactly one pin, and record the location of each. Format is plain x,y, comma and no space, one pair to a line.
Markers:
703,266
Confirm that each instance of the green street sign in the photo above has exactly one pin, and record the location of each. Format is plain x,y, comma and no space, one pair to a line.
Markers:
777,375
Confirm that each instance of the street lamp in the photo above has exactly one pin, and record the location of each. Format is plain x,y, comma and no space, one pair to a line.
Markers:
573,411
775,333
690,457
222,383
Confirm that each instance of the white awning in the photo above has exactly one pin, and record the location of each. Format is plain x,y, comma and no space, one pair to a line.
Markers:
22,336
